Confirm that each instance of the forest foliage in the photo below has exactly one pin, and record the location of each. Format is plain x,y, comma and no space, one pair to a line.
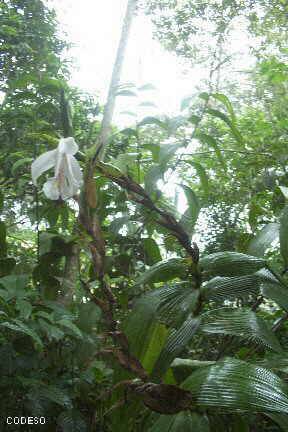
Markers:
119,311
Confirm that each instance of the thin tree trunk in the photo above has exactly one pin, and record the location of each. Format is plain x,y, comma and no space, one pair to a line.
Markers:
114,83
71,274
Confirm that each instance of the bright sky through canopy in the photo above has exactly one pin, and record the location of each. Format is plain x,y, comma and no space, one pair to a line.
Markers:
94,28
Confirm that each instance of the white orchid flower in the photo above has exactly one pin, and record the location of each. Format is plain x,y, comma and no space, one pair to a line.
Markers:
67,172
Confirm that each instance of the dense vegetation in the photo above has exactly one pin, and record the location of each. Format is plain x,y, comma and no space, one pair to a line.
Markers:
118,312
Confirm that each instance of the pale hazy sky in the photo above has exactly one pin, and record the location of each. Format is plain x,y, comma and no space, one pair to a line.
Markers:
94,26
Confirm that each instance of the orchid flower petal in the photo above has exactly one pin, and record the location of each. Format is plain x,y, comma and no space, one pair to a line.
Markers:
75,170
43,163
67,172
68,146
51,189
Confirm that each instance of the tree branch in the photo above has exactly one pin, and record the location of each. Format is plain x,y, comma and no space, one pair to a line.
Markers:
115,79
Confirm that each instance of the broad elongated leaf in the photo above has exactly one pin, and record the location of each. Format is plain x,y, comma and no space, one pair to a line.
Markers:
211,142
189,364
167,151
19,164
50,330
242,323
284,191
283,234
152,120
54,394
126,93
278,362
140,324
235,132
175,302
24,307
175,344
3,245
154,173
72,420
182,422
15,286
264,239
66,323
163,271
280,419
18,326
152,251
230,264
238,385
6,266
276,292
158,336
189,218
185,102
146,87
88,316
226,102
202,175
231,288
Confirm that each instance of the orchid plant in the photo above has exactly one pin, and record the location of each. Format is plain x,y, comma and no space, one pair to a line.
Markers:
68,176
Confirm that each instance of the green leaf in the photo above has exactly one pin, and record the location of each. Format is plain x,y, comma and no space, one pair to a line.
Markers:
225,101
3,245
176,342
146,87
24,307
151,251
241,323
158,336
50,242
88,316
6,266
230,264
167,151
1,201
140,324
72,421
15,286
189,218
236,385
190,364
126,93
70,326
204,95
175,302
231,288
153,174
283,234
235,132
163,271
18,326
284,191
19,164
152,121
263,239
54,394
280,419
277,362
276,292
185,102
183,422
147,104
202,175
211,142
51,331
240,424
